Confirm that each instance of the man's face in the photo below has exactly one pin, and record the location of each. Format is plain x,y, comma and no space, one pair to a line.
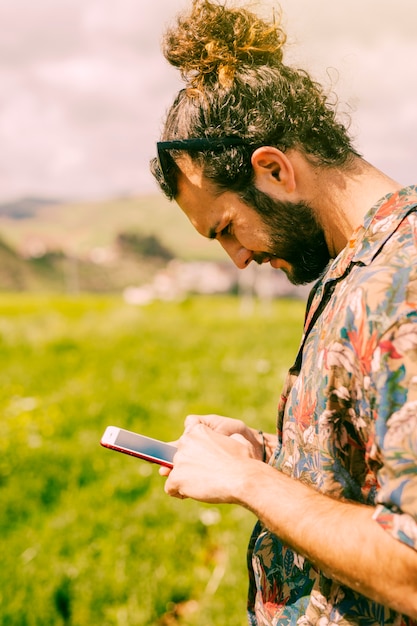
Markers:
257,228
295,235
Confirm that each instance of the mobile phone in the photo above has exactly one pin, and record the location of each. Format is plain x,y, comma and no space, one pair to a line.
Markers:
137,445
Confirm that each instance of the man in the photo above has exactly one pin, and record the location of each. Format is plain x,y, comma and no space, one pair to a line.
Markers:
253,153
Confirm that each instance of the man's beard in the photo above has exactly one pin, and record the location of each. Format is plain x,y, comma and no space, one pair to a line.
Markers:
295,235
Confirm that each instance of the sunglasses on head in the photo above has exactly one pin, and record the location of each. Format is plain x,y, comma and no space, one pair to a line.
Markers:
197,144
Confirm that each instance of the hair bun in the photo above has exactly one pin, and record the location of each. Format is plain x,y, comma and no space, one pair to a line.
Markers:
211,43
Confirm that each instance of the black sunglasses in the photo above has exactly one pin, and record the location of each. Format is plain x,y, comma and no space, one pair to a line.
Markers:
197,144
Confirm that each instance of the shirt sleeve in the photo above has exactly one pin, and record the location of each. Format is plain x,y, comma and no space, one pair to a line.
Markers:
394,374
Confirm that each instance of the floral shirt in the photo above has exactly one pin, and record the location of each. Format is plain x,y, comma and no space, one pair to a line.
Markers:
347,420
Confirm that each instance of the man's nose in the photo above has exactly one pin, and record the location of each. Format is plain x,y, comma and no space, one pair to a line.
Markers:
240,255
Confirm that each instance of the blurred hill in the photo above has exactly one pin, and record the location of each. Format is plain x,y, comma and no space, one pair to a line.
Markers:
79,227
144,245
24,207
93,246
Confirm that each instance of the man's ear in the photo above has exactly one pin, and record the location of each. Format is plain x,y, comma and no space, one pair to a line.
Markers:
273,167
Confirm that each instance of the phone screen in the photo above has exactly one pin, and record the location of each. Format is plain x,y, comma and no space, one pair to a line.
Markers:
144,445
138,445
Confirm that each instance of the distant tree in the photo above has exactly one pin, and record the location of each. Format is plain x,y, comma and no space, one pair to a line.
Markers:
13,273
143,246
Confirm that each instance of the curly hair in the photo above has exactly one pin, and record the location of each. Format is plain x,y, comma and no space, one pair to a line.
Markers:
236,85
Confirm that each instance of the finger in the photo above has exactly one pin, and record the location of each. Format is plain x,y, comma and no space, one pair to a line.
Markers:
191,421
173,490
240,438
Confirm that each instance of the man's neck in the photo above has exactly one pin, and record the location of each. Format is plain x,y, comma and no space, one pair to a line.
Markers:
346,195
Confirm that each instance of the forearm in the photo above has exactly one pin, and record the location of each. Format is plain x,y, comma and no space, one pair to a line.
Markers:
340,538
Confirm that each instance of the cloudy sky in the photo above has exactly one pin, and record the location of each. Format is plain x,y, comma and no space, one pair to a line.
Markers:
84,87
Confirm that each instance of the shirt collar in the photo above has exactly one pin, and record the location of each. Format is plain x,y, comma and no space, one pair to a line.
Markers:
379,224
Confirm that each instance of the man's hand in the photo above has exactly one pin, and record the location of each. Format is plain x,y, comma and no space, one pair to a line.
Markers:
232,428
208,464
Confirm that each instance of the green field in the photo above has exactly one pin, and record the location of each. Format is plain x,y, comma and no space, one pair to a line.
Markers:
88,536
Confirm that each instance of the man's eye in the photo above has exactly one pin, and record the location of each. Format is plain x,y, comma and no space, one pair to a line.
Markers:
227,230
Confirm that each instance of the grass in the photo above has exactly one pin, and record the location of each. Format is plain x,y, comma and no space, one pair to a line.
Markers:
88,536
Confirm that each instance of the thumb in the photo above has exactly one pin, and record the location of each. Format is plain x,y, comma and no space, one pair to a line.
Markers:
240,438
